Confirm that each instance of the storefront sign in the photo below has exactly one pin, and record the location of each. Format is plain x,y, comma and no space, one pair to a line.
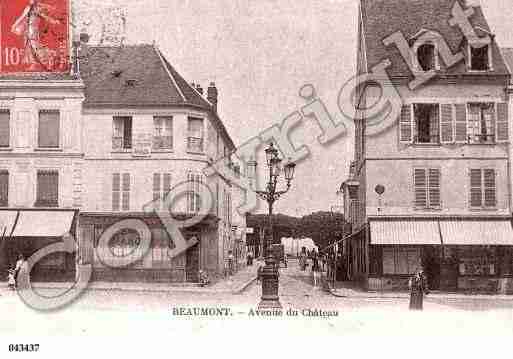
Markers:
34,36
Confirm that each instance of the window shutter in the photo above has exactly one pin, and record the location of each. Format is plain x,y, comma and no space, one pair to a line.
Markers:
447,123
4,188
126,192
166,186
48,132
4,128
502,122
490,197
405,125
156,186
461,123
116,188
420,184
127,132
476,193
434,187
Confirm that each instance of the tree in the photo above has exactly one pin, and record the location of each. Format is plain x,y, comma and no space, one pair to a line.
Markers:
324,227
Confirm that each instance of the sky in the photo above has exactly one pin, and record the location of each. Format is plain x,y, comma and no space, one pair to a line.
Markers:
259,54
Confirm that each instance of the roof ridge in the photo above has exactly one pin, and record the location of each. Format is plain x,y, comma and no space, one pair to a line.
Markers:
161,57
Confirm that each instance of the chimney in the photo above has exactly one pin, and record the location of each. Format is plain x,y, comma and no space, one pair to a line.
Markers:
212,95
199,89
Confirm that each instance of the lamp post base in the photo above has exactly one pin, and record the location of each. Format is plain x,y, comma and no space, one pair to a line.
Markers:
270,284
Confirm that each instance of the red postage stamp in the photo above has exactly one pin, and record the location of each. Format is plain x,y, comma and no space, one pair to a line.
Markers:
34,36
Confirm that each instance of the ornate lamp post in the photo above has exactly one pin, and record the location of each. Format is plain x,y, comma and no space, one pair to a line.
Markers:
270,298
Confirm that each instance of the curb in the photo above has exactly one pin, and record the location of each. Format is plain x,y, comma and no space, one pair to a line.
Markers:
170,289
244,286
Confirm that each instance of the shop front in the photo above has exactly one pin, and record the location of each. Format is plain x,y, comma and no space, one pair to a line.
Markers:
26,231
465,255
477,255
109,257
398,248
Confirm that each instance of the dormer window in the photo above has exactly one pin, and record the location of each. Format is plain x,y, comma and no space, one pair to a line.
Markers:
426,56
480,58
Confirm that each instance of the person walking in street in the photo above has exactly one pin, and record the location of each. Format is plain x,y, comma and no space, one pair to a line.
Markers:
418,288
302,259
230,263
315,267
250,258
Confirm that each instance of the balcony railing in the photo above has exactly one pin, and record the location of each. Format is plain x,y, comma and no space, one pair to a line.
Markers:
194,144
481,138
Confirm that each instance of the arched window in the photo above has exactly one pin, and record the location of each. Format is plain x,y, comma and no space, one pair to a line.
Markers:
426,55
124,243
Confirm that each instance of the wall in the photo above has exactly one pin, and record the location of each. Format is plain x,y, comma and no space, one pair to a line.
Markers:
391,163
24,99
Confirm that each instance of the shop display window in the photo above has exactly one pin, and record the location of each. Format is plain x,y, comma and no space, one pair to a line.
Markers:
477,261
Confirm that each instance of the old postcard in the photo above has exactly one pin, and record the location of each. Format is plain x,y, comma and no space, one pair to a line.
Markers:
253,178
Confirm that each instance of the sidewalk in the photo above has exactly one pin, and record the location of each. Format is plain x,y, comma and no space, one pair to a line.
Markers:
231,285
351,292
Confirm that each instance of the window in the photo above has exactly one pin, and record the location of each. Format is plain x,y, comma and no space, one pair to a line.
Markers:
122,133
163,135
48,130
4,188
161,187
480,58
482,188
194,192
427,123
121,192
47,189
427,188
5,131
125,245
195,135
477,261
426,56
481,122
401,260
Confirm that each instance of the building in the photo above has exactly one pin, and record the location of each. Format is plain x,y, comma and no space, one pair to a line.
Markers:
432,189
105,145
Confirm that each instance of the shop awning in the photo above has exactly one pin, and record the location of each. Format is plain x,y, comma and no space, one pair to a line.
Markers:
43,223
7,221
404,232
473,232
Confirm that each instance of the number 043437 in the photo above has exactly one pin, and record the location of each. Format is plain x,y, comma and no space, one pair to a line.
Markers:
23,347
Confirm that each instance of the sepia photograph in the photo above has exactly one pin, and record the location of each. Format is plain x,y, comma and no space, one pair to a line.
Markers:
255,178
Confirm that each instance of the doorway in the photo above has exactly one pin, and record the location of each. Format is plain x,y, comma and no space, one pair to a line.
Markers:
192,264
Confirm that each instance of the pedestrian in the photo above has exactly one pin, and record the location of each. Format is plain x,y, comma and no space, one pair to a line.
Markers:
315,267
11,281
230,262
302,259
250,258
21,265
418,288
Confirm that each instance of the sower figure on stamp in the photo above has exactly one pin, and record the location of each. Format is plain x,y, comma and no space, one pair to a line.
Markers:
28,25
418,287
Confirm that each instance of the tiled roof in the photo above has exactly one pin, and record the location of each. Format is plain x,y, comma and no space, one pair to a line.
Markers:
382,18
106,72
507,53
138,75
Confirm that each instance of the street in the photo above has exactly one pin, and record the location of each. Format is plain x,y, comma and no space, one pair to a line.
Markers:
126,312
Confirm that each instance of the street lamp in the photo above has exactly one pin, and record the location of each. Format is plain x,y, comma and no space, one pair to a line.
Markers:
270,298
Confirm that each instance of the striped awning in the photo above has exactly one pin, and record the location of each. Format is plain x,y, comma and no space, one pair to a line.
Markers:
404,232
43,223
467,232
